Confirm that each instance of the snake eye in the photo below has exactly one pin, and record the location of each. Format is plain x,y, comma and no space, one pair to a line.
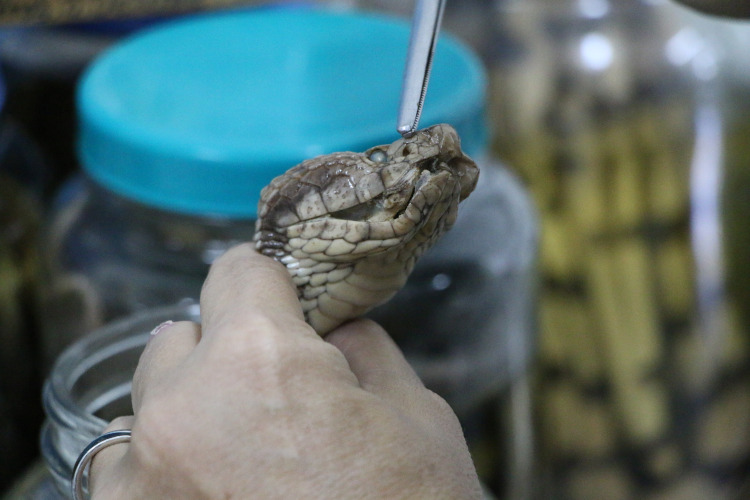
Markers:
378,156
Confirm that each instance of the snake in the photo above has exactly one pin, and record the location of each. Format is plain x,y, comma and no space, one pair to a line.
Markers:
350,226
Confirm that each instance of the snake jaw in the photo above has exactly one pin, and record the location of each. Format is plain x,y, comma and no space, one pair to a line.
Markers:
349,227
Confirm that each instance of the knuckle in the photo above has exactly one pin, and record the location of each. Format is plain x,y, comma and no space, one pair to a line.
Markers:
119,423
439,405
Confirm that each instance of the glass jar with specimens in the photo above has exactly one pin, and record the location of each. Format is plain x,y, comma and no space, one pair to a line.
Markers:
608,108
173,172
182,126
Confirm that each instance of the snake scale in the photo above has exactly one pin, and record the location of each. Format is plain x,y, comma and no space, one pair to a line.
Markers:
349,227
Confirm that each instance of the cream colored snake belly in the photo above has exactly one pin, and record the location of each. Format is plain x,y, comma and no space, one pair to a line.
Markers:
349,227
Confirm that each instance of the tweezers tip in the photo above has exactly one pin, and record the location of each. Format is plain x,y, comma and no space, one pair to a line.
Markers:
407,131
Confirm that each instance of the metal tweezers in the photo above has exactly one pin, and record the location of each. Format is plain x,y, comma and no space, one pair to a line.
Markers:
428,15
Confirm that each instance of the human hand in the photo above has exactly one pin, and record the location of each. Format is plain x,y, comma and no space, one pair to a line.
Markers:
252,403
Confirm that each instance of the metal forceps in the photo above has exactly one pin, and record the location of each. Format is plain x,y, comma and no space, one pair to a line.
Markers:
428,15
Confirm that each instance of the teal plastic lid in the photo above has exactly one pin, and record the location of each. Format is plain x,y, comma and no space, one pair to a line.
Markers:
198,115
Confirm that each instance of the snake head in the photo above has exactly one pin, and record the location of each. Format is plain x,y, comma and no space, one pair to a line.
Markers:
361,220
384,193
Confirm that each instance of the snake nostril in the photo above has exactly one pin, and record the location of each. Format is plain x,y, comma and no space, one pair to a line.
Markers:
432,165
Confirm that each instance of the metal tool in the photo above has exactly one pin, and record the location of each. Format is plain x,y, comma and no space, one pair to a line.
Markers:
428,15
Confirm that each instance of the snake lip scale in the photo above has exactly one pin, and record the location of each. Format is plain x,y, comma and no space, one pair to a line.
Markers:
349,227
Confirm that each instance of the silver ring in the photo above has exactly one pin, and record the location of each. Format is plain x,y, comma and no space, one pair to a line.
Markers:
87,455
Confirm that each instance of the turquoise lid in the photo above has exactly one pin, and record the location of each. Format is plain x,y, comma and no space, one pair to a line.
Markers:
198,115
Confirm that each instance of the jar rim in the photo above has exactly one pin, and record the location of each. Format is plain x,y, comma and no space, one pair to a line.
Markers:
60,405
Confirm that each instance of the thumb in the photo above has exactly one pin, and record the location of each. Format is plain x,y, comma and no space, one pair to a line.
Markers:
382,369
374,358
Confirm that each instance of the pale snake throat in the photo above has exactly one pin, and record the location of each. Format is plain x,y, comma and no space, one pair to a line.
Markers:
349,227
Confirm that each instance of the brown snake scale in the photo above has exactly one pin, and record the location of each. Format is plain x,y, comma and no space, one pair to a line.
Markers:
349,227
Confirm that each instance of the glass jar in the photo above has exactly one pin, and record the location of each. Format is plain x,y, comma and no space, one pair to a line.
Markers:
173,172
609,109
107,255
89,386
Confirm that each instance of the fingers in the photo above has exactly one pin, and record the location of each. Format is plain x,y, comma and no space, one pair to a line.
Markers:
243,286
168,347
382,369
108,459
374,358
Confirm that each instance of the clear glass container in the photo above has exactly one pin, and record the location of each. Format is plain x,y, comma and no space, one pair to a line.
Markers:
166,189
106,256
472,314
610,111
90,385
463,319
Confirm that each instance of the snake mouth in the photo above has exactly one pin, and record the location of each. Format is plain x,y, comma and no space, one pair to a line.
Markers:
464,169
362,212
388,205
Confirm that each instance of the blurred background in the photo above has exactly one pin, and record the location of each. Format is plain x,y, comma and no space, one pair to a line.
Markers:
625,122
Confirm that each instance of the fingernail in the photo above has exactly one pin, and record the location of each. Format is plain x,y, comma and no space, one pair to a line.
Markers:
161,328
